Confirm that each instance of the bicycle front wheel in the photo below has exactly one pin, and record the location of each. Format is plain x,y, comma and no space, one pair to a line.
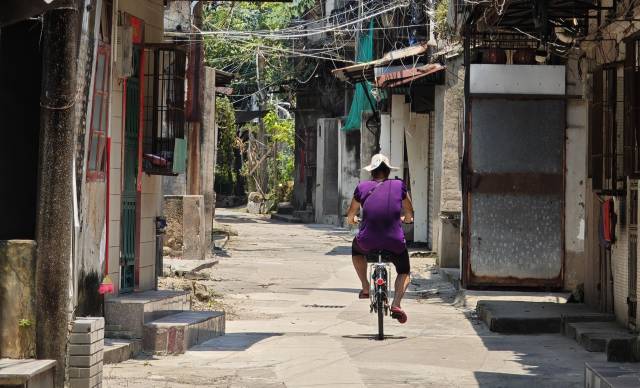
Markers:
380,308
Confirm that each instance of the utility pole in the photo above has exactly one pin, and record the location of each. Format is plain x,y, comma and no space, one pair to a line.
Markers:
54,227
262,173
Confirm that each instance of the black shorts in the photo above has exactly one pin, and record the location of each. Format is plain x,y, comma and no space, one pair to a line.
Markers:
401,261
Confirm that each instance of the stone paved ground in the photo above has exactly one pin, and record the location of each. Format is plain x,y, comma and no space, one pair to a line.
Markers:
296,322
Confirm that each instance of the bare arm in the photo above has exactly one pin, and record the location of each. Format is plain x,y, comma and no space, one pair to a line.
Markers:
407,206
353,211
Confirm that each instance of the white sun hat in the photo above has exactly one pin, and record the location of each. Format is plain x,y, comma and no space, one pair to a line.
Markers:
377,160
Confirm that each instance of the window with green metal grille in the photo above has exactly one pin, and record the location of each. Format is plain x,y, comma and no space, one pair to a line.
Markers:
164,145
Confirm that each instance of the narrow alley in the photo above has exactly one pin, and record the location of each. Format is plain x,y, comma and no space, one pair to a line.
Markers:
294,320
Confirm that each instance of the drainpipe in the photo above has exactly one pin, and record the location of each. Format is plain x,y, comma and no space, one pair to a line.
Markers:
55,218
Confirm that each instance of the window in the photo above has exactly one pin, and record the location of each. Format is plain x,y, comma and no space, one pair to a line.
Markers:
631,111
99,115
607,132
164,111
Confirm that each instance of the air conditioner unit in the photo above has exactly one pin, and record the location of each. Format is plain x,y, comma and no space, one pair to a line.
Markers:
124,60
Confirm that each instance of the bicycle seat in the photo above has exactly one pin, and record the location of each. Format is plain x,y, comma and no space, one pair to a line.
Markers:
387,256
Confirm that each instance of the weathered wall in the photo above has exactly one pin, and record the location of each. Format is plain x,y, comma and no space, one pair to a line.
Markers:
438,131
348,169
575,177
17,298
327,194
208,154
185,236
400,112
600,51
367,147
417,137
150,205
449,107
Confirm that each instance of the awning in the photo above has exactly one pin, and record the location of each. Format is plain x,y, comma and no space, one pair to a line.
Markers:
405,76
223,78
365,71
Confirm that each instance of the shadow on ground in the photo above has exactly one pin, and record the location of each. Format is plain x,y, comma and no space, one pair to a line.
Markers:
547,360
233,342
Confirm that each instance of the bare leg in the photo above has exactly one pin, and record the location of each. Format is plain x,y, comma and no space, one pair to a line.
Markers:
402,282
360,264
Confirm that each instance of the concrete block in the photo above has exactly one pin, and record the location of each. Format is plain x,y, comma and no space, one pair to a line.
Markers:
130,312
86,382
176,333
517,317
569,330
86,349
34,373
623,350
607,375
86,338
87,325
75,372
117,351
86,361
185,225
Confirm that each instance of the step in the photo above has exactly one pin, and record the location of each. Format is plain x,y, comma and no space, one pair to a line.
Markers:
569,330
176,333
305,216
593,336
285,208
131,311
611,375
521,317
119,350
286,218
27,373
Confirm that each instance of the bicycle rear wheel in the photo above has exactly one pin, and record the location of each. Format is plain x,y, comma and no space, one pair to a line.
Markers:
380,308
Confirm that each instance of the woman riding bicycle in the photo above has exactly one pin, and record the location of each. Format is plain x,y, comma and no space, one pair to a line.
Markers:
383,201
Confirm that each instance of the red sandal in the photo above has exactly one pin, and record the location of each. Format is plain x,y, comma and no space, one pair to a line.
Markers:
397,313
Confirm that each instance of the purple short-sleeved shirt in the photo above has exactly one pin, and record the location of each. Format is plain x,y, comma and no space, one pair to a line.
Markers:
381,227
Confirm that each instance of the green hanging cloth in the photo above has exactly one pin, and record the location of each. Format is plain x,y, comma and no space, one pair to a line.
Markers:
360,102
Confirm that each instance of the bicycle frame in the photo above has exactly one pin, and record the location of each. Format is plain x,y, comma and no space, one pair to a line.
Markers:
379,275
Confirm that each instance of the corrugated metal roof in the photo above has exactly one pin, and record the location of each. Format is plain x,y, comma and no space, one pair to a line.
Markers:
365,71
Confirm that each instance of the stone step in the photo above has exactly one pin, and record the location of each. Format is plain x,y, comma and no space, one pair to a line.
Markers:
597,336
176,333
305,216
120,334
569,330
286,218
608,375
119,350
131,311
517,317
27,373
285,208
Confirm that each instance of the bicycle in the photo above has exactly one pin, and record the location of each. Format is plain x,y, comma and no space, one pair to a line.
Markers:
379,286
380,279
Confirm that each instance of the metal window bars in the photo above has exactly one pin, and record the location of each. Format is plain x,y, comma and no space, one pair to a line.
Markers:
164,109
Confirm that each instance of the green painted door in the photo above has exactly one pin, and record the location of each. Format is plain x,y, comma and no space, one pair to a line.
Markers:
129,181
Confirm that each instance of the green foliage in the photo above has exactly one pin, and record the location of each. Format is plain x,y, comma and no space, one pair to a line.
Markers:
25,323
226,120
441,15
239,55
282,138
